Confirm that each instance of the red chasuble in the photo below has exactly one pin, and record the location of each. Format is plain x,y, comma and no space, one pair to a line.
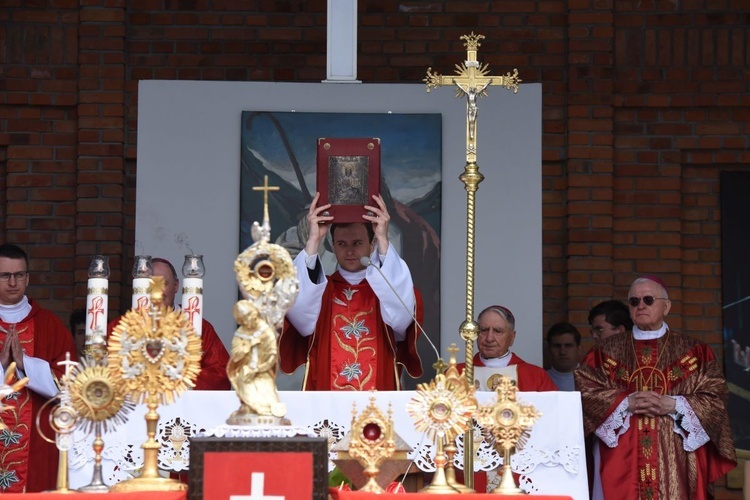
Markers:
27,462
649,460
531,378
351,348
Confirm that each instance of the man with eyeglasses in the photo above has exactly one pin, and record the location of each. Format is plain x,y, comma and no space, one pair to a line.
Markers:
609,318
656,400
36,340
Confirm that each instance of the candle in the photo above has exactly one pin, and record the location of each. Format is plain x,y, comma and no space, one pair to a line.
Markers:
142,273
193,271
97,302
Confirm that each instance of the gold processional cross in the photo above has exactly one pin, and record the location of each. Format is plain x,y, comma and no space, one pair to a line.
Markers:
471,80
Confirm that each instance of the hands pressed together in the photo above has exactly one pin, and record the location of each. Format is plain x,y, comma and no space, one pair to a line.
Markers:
651,403
11,350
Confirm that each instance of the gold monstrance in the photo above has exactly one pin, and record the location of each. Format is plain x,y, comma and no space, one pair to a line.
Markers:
442,409
156,353
471,80
510,422
268,282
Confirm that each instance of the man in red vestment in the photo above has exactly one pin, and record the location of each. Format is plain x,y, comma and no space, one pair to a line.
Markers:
657,401
497,331
350,329
37,341
213,375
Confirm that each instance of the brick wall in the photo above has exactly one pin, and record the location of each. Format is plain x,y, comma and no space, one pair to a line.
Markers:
644,104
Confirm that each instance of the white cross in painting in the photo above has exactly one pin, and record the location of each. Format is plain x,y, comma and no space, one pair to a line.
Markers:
256,490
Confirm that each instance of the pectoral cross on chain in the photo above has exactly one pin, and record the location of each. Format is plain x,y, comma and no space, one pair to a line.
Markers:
471,80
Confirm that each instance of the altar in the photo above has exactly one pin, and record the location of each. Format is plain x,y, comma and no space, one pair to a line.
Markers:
553,461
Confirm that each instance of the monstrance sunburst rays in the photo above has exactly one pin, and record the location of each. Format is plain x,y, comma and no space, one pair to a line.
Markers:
156,354
442,411
97,397
101,404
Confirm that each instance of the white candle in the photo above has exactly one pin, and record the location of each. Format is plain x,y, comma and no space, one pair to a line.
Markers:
192,302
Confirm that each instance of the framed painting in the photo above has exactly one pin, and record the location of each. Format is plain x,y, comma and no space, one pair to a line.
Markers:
284,146
258,468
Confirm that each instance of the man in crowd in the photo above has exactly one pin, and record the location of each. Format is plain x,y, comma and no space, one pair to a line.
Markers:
609,318
351,329
213,375
36,340
657,401
497,332
564,343
78,329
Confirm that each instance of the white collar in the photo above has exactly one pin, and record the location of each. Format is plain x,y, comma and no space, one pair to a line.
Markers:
639,334
353,278
17,312
500,362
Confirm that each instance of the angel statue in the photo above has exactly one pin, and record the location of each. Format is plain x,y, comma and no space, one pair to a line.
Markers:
269,286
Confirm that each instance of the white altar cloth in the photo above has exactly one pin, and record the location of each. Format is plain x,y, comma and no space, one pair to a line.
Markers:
552,462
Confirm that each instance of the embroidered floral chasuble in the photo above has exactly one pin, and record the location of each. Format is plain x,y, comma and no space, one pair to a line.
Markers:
27,462
354,357
352,348
649,460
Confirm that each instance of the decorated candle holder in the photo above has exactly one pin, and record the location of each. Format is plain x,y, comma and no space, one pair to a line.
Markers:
155,354
97,305
142,272
193,271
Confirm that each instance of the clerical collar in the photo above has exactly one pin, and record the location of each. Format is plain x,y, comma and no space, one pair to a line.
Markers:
17,312
353,278
500,362
639,334
552,369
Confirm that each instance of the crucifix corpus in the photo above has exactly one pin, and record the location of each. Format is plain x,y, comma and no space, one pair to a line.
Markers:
471,80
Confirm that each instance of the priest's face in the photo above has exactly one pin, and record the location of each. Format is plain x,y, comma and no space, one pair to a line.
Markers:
564,352
601,329
495,335
170,283
14,279
350,244
648,317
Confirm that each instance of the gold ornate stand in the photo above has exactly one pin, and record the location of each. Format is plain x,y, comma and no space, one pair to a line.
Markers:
150,479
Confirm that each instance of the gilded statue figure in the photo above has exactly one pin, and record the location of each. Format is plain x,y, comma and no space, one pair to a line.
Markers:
269,286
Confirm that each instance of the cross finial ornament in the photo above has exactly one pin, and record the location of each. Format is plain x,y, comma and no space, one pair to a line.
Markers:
265,188
263,231
471,80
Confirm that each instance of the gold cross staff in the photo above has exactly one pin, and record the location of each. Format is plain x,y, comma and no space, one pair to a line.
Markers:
471,80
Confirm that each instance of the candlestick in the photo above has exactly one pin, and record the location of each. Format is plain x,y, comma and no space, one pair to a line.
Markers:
97,303
193,271
143,270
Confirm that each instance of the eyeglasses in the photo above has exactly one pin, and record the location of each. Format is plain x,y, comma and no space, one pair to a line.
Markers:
648,300
19,275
